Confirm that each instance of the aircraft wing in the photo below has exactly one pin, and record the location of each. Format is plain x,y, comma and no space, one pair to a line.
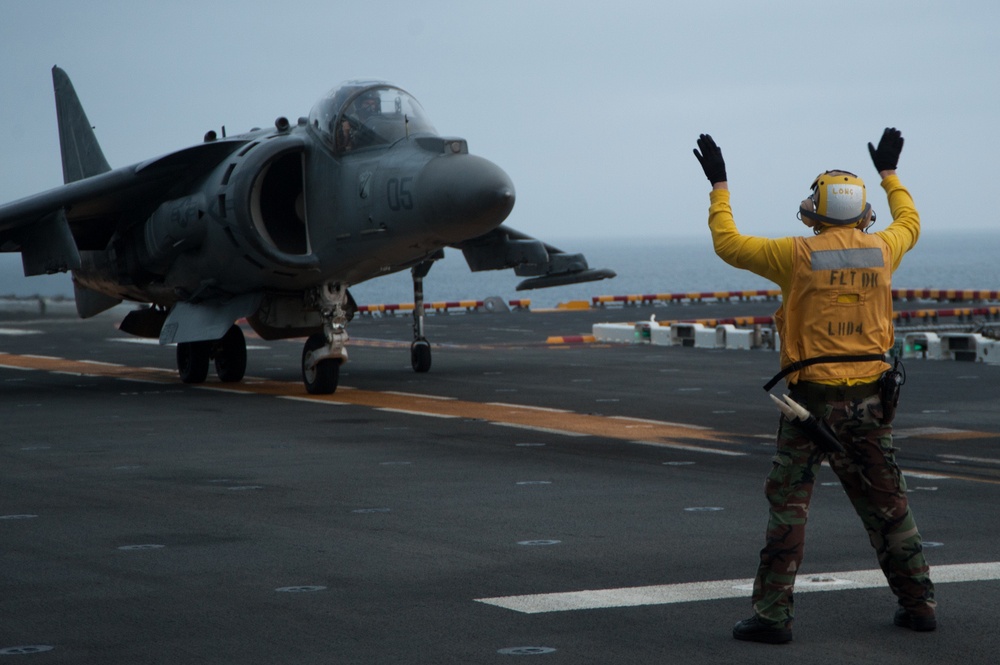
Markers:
543,264
49,228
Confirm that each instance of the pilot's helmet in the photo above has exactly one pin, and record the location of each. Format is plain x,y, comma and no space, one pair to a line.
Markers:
368,104
838,198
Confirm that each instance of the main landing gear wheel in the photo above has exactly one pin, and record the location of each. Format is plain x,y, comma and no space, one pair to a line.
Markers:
192,361
230,354
321,379
420,355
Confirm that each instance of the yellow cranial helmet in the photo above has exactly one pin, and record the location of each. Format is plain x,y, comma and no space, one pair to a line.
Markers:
838,198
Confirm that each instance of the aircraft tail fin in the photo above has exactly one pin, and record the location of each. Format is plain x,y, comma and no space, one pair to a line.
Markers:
82,156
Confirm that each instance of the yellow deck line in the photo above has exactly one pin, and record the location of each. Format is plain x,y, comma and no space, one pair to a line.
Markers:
526,416
609,427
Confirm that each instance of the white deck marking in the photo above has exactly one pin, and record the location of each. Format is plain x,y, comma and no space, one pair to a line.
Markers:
718,589
309,400
665,423
905,433
963,458
411,412
419,396
533,428
530,408
698,449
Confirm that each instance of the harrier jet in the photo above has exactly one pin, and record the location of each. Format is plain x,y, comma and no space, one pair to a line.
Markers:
274,226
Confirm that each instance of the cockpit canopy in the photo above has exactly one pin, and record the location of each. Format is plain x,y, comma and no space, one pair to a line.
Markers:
363,114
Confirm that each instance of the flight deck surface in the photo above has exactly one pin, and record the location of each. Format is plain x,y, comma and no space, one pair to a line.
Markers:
455,516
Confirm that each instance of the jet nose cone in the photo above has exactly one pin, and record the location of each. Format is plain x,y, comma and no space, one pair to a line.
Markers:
464,196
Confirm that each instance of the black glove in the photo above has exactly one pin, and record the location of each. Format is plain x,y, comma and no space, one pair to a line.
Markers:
711,159
887,153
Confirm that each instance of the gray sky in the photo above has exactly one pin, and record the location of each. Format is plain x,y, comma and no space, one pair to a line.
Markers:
593,108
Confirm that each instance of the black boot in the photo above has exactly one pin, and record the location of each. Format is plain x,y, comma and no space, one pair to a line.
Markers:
919,622
756,629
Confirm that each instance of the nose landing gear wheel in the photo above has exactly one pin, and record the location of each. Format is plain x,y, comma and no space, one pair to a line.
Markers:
323,377
420,355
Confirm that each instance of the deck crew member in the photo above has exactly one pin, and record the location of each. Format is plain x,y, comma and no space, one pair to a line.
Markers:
834,325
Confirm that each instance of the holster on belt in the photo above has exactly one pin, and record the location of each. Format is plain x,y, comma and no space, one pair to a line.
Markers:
888,391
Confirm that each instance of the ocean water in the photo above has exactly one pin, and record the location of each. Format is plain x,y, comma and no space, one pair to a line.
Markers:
963,260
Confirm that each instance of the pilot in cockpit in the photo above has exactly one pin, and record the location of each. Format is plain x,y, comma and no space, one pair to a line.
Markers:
368,104
353,132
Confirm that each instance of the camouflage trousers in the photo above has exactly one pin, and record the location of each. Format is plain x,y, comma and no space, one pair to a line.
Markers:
873,483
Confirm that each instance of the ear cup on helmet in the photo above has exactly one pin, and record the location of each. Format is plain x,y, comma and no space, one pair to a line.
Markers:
869,222
806,211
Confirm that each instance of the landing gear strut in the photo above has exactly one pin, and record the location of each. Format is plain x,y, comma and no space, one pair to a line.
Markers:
420,350
230,354
325,352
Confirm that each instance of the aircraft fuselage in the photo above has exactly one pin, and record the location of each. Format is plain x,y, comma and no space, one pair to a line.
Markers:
283,214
